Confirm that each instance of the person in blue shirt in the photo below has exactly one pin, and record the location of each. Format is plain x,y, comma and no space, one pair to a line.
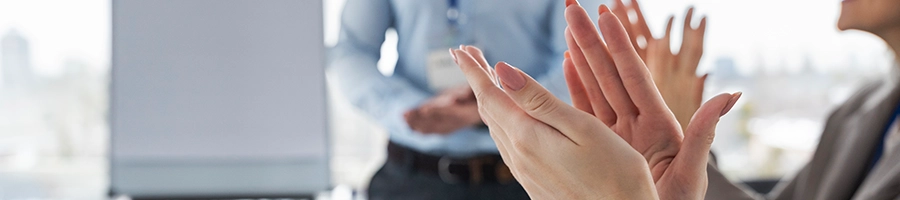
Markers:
439,147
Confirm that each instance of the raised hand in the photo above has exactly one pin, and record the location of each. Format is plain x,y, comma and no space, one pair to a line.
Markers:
613,83
554,150
637,28
674,74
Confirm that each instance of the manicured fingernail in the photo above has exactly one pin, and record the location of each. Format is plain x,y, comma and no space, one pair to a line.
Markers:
566,55
510,77
453,55
603,8
570,2
731,102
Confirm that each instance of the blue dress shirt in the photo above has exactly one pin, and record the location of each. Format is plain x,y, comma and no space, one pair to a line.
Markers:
528,34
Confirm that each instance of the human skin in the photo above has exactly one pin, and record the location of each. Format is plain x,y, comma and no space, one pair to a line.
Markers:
879,17
445,113
619,129
625,95
545,142
591,96
675,74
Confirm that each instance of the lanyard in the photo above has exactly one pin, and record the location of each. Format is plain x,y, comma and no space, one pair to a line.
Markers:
453,12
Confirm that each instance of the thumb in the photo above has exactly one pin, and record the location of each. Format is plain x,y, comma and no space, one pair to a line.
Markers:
702,129
542,105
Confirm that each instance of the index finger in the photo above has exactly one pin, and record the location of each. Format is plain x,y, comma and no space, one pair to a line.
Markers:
631,69
494,102
587,42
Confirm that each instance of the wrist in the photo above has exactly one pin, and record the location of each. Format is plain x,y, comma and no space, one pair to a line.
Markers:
635,188
634,183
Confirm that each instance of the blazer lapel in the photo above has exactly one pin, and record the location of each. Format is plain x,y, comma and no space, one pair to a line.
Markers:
855,146
884,180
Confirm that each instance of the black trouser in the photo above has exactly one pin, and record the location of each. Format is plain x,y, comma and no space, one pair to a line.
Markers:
400,181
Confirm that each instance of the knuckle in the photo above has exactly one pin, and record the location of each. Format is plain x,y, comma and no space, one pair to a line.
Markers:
709,139
480,96
589,46
634,77
540,104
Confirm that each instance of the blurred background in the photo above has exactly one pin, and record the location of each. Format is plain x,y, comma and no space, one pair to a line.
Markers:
785,55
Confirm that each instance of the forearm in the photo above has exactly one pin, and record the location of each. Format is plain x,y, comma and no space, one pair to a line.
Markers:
382,98
353,64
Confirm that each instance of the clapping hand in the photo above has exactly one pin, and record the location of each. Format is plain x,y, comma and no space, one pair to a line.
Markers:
613,83
554,150
449,111
622,134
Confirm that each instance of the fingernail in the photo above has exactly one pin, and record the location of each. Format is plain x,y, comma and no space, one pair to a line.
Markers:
731,102
453,55
510,77
603,8
570,2
566,55
462,47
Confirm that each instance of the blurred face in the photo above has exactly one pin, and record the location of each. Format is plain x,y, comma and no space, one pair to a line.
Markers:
874,16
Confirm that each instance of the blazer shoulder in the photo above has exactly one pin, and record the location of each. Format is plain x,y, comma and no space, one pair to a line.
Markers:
855,101
840,115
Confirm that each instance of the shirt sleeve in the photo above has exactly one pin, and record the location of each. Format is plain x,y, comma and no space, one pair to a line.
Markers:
554,79
353,65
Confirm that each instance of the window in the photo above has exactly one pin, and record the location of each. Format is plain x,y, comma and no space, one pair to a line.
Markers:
53,93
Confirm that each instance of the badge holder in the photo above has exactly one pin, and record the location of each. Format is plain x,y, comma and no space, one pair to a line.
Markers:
442,72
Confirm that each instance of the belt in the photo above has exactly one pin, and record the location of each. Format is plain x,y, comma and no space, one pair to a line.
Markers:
472,170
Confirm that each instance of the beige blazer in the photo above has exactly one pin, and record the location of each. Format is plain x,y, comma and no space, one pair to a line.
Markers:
839,167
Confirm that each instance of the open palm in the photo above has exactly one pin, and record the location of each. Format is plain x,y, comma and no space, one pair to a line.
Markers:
613,83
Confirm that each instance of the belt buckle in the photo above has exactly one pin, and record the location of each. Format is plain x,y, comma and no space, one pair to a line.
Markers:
444,171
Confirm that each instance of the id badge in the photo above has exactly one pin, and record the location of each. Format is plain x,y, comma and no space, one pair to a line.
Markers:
443,73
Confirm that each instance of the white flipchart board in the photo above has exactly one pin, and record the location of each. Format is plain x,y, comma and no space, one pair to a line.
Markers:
218,98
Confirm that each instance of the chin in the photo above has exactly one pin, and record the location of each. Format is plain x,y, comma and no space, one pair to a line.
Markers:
872,16
842,25
851,22
848,20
